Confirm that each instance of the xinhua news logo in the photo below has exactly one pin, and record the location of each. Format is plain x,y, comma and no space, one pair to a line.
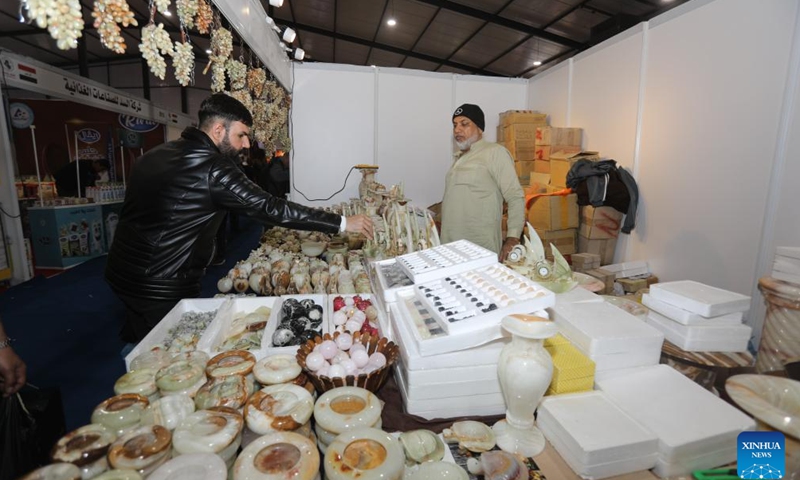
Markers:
761,455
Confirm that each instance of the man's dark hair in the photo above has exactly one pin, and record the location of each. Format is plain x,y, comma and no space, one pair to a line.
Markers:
223,107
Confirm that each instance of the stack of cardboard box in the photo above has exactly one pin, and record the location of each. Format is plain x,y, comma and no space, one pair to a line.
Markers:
555,219
599,229
550,140
517,132
561,162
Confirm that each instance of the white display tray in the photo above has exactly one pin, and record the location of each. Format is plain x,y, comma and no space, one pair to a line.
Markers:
266,343
217,332
590,425
159,332
447,387
466,406
577,295
699,298
688,420
688,318
702,338
599,470
633,359
385,288
486,354
601,328
445,260
477,300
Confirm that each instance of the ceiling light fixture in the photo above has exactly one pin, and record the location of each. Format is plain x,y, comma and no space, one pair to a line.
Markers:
299,54
537,63
276,3
288,35
391,21
167,13
208,51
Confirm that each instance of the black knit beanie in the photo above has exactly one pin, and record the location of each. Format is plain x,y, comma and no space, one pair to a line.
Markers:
473,112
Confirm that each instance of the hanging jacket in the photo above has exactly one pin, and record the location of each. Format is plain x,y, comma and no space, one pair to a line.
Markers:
604,184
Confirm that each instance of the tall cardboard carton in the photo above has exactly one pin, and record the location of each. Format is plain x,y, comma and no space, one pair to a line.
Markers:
558,136
603,247
519,131
542,152
561,162
600,222
541,166
564,240
554,212
522,116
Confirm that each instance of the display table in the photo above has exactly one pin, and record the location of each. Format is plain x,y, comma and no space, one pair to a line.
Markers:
65,236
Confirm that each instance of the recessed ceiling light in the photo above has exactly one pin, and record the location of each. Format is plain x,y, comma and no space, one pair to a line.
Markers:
276,3
537,63
208,51
167,13
391,22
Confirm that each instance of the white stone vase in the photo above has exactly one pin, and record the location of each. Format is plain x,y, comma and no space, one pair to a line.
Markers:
525,370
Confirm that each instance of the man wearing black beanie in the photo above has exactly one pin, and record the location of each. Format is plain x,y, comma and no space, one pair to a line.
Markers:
481,178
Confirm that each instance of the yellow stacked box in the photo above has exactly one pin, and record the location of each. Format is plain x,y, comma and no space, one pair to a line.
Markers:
572,370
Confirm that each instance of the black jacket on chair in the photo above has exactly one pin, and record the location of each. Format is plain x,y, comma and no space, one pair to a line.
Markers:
174,204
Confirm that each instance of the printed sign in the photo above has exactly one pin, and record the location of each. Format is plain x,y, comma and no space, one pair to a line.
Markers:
761,455
130,139
136,124
88,135
21,115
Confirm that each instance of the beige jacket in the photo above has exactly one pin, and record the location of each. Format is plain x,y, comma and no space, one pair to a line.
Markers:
475,187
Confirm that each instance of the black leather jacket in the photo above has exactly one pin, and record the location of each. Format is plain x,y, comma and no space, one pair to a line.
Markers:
174,204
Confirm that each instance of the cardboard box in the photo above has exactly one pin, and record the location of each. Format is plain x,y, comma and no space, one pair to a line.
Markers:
558,136
581,262
604,276
564,240
521,150
501,135
561,162
511,117
555,212
539,181
603,247
519,131
600,222
541,166
542,152
632,285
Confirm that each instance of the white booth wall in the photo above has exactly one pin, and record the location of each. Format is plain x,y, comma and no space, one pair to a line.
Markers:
397,119
693,104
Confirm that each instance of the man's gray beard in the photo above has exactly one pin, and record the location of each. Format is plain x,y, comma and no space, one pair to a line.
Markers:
466,144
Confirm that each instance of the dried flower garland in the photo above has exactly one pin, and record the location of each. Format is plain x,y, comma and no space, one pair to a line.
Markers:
243,96
187,9
108,14
205,16
237,73
155,40
256,78
161,5
183,61
63,19
221,48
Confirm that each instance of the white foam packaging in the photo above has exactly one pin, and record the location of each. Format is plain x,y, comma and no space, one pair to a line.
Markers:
631,359
157,335
450,407
731,338
699,298
686,317
595,437
695,428
601,328
448,386
628,269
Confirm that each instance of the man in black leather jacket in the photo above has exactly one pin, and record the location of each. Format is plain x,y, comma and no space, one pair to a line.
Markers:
175,201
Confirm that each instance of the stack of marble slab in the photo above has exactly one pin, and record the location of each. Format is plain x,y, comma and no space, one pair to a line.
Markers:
699,317
786,266
595,437
696,430
608,335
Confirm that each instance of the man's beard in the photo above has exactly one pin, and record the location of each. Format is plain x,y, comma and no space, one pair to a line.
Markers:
227,149
463,146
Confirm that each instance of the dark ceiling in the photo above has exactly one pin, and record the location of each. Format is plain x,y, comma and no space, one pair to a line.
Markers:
485,37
